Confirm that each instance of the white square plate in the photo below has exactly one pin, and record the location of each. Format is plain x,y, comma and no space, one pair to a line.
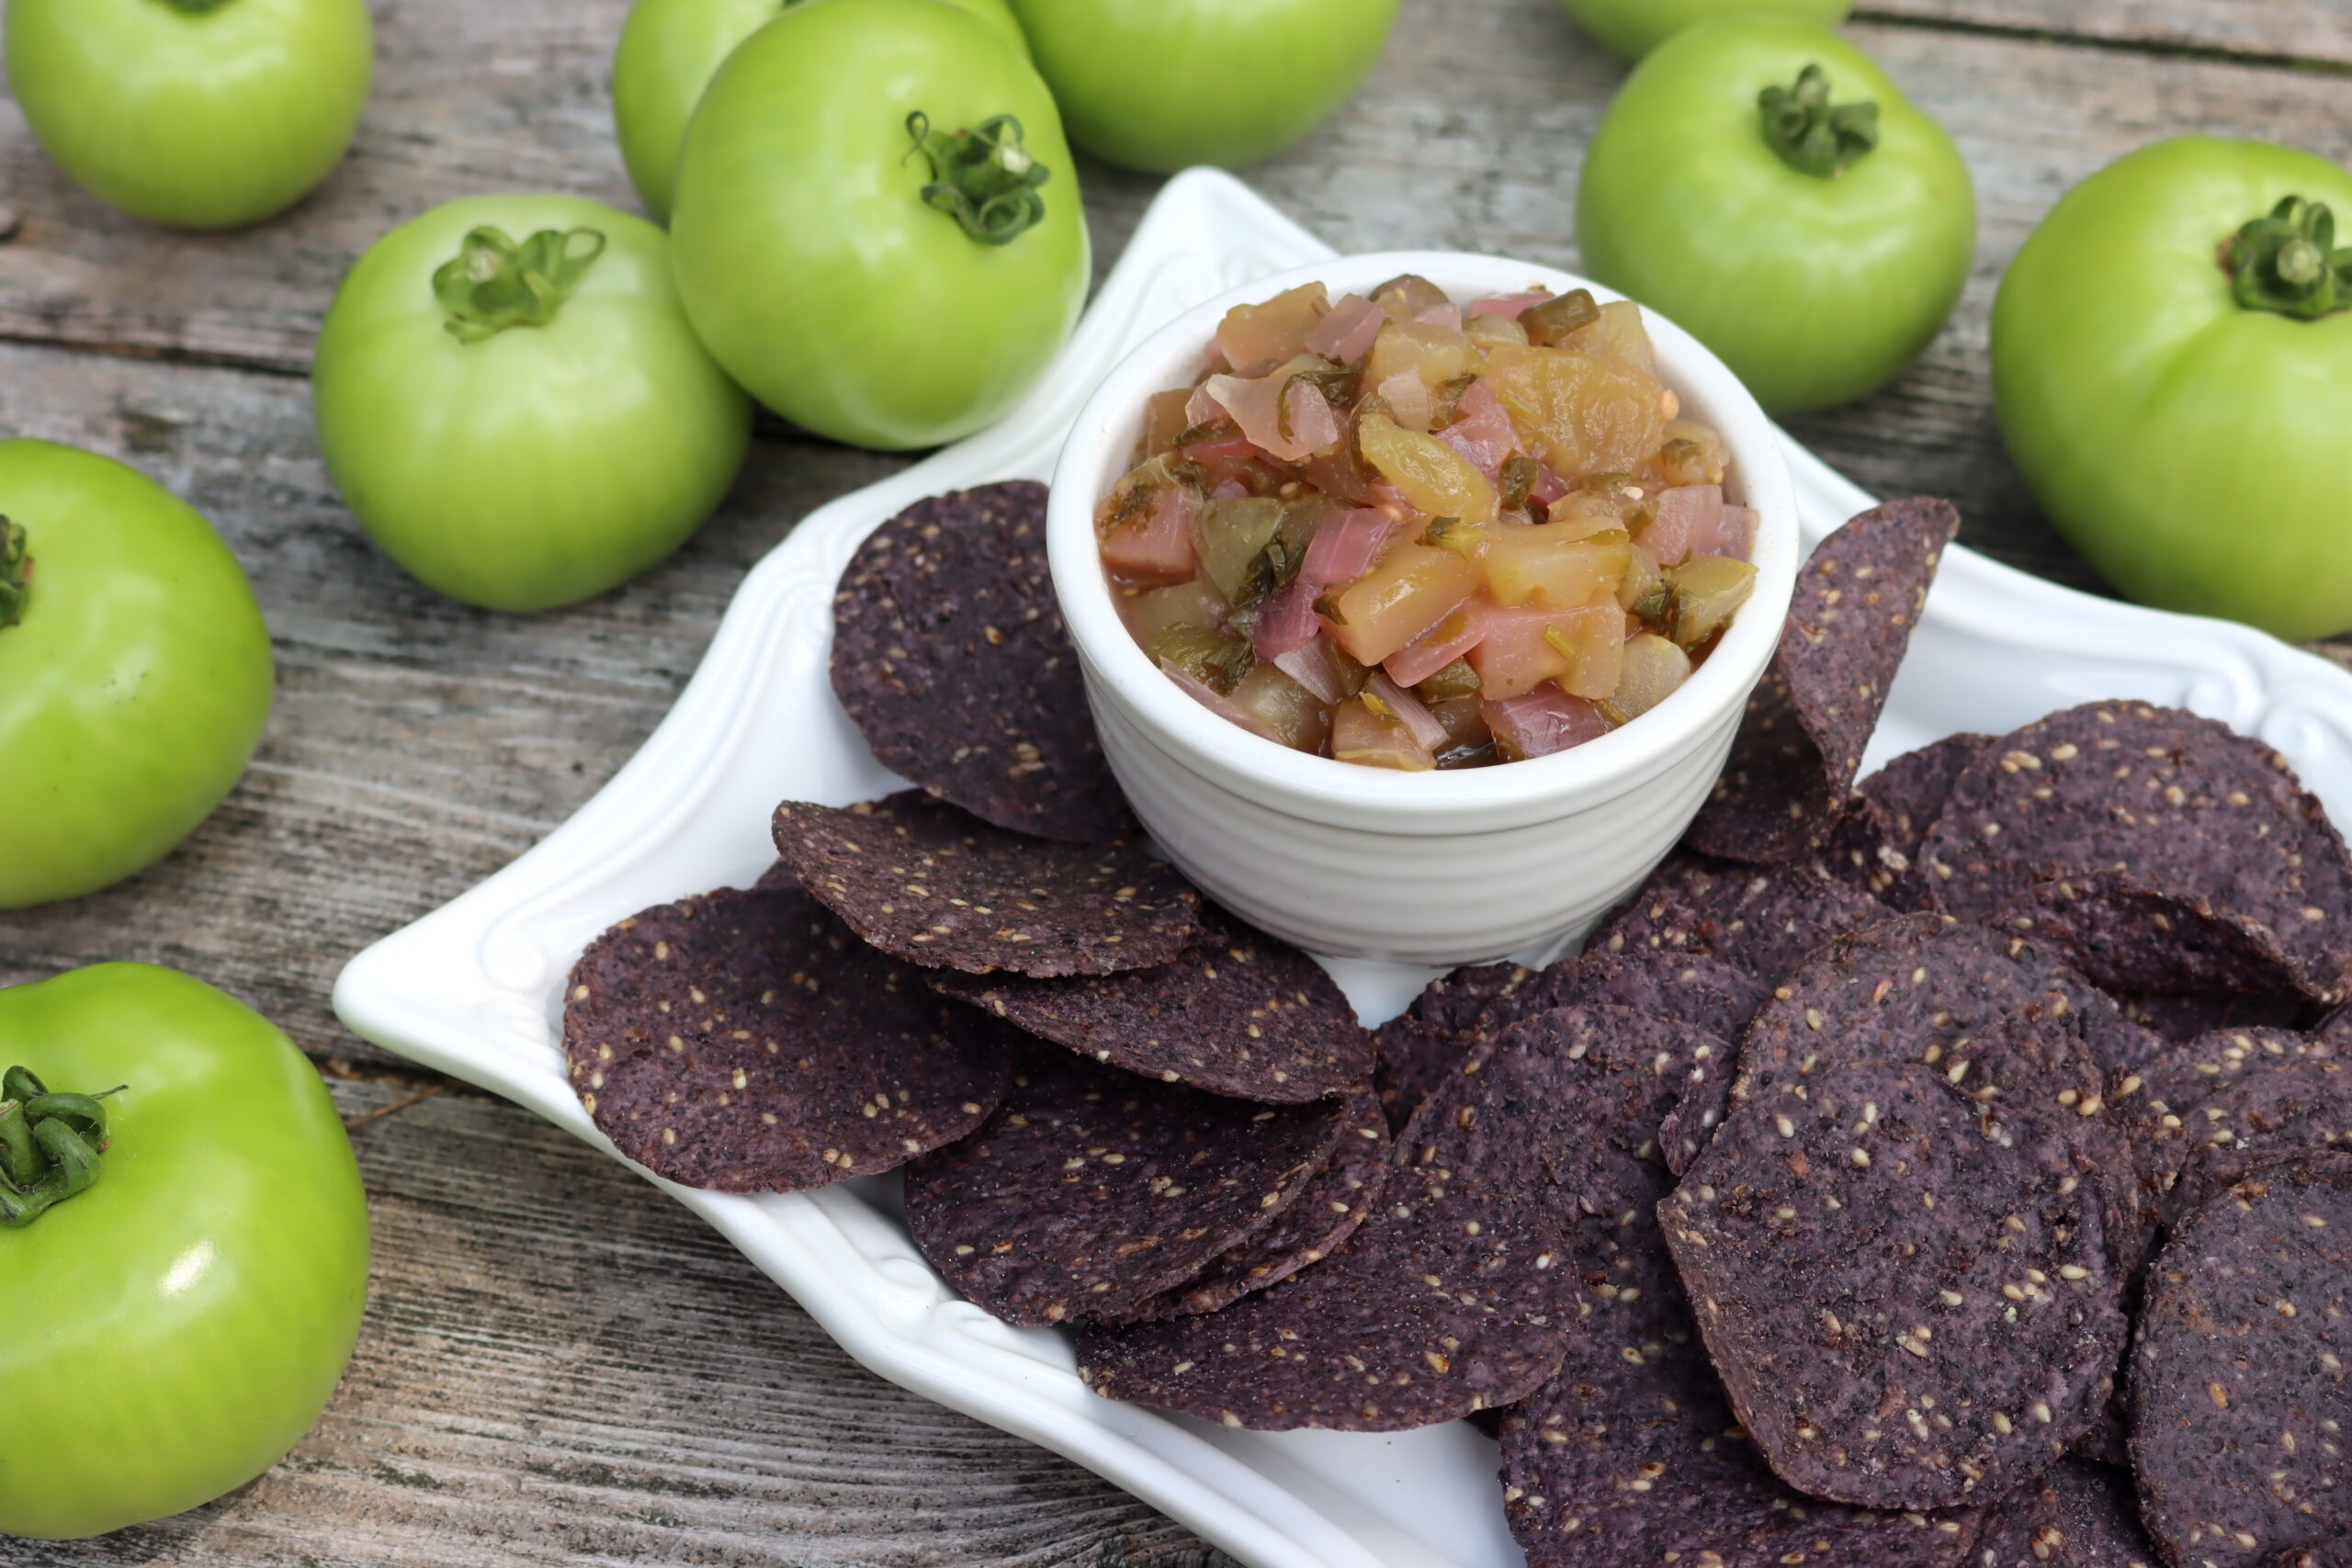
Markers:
474,988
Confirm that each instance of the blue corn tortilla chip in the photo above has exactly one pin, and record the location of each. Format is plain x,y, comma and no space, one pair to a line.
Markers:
931,884
1443,1303
1875,845
1857,603
749,1043
950,655
1414,1055
1092,1190
2172,803
2079,1515
1908,1308
2241,1377
1243,1015
1341,1198
1763,920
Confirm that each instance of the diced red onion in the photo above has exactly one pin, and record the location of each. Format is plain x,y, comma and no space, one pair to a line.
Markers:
1734,533
1408,400
1538,723
1310,666
1255,405
1347,330
1163,545
1441,314
1428,654
1286,622
1312,423
1209,697
1688,518
1227,489
1481,431
1509,305
1419,721
1203,407
1548,488
1344,548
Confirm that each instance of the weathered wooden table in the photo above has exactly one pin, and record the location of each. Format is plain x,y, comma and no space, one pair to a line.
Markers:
558,1364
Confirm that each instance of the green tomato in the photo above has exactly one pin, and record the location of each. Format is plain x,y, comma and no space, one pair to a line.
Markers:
1160,85
1815,274
169,1332
669,52
135,672
513,403
1633,28
2181,424
870,286
203,114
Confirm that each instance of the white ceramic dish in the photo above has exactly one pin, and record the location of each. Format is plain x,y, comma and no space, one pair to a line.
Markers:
1423,868
471,989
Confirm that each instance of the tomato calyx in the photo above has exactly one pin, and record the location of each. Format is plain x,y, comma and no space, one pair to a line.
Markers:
2287,263
1809,133
16,573
494,284
49,1146
986,179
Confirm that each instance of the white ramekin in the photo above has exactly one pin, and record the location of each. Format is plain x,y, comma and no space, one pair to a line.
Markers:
1434,868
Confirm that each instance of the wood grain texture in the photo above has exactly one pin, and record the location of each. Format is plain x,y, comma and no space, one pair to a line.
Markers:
559,1364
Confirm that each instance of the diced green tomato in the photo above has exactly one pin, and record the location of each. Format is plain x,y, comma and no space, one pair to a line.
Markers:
1152,612
1164,421
1616,333
1217,658
1488,331
1592,642
1694,454
1370,739
1464,721
1431,354
1548,321
1408,295
1404,594
1516,656
1582,413
1252,335
1431,476
1539,564
1457,680
1231,535
1653,668
1288,710
1706,591
1643,592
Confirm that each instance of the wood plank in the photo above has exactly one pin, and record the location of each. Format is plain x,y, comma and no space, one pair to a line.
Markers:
558,1364
417,746
2317,31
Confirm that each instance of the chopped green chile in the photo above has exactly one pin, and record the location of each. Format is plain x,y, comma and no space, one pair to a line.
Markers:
1653,670
1705,592
1221,428
1446,405
1518,475
1408,295
1337,386
1451,533
1455,682
1554,318
1643,593
1218,658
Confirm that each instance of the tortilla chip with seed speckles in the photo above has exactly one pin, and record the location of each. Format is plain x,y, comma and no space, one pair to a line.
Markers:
1341,1198
1875,845
2279,1109
749,1043
2080,1515
1443,1303
2170,803
1763,920
1857,601
950,654
933,885
1243,1015
1908,1308
1092,1190
2241,1375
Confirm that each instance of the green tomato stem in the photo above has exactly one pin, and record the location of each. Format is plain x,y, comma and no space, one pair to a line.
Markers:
1812,135
494,283
16,573
2287,263
984,179
49,1146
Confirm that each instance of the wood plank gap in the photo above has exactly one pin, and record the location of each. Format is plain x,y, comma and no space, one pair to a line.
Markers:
2160,48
